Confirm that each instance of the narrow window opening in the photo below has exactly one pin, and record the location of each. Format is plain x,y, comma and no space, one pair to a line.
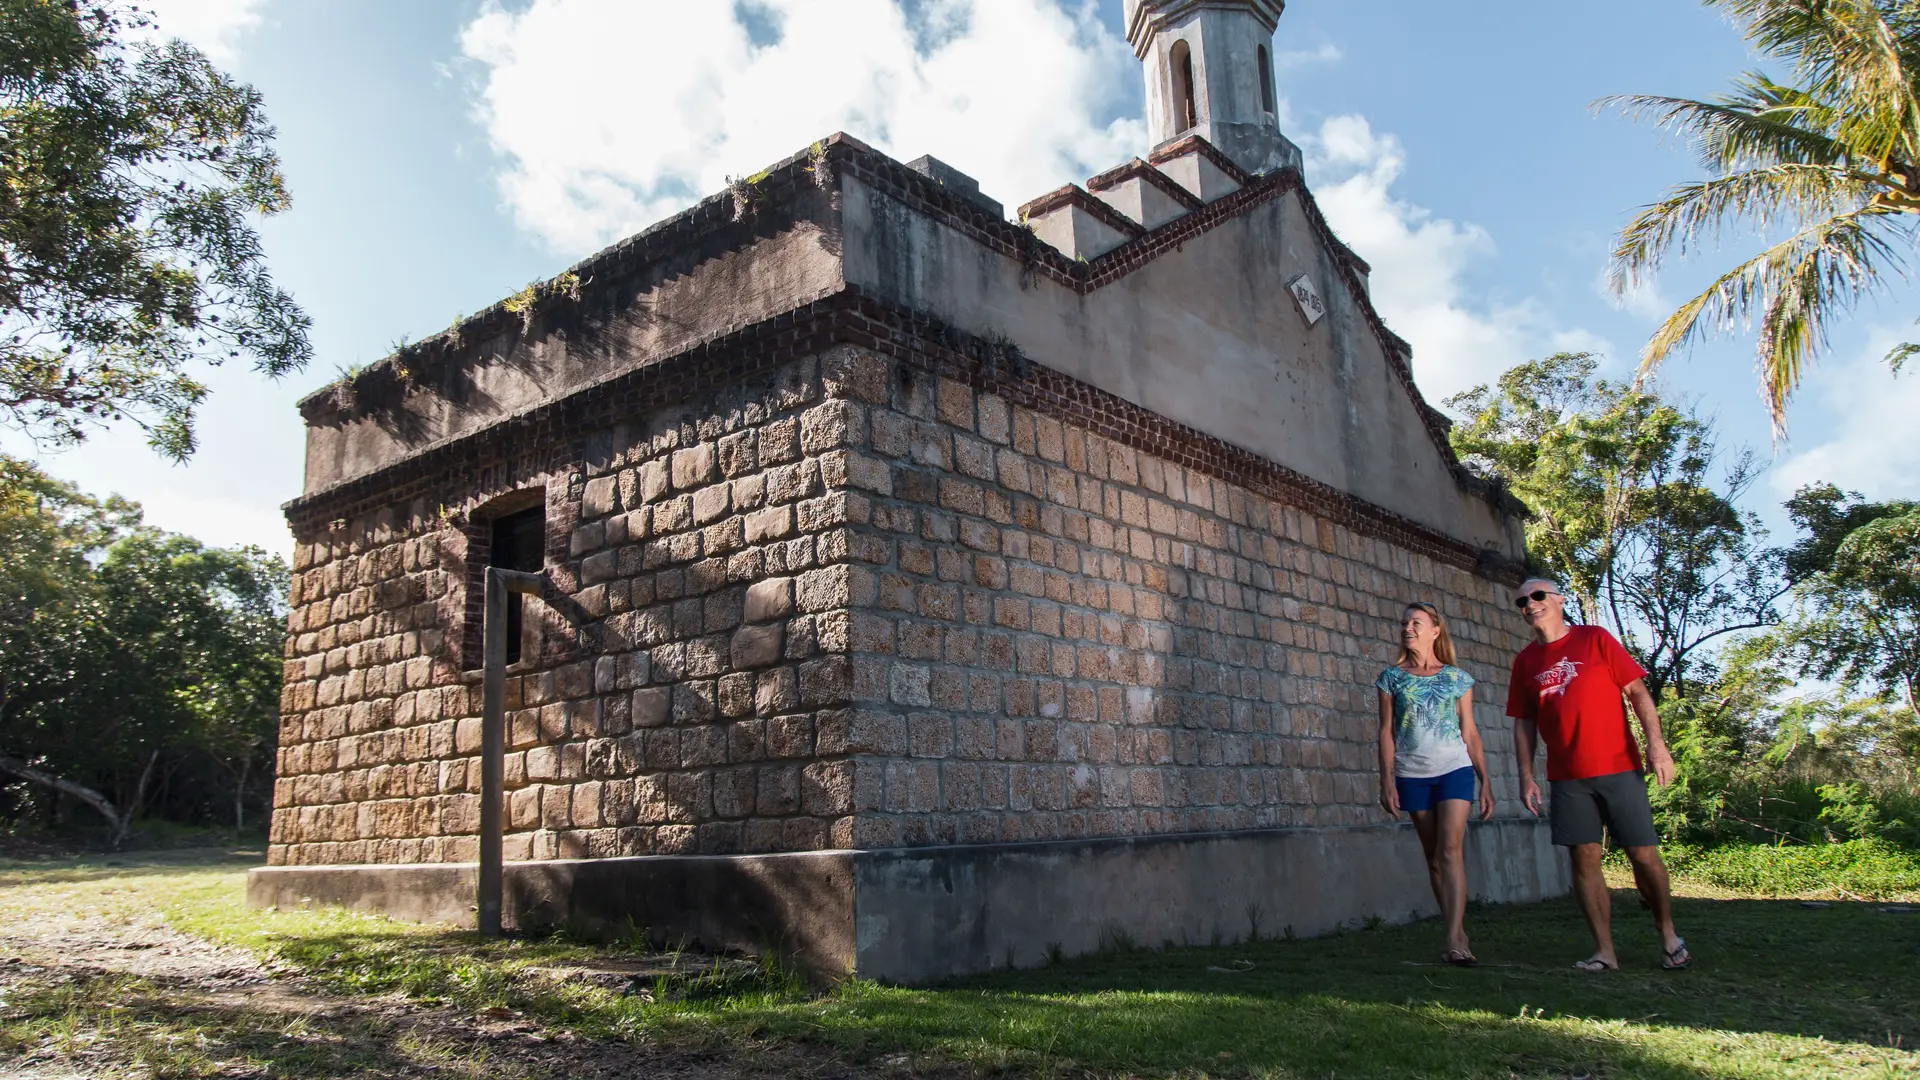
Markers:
1184,114
519,543
1266,81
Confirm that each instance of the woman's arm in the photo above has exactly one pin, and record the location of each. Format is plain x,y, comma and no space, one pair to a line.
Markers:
1389,795
1470,733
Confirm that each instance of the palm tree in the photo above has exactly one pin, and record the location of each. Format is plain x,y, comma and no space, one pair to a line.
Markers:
1832,157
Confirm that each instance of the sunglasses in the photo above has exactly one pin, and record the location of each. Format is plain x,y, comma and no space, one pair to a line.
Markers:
1538,596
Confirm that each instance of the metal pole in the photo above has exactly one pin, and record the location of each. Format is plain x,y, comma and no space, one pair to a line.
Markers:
493,738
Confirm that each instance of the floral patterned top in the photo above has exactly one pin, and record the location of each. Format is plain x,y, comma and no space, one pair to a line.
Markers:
1426,720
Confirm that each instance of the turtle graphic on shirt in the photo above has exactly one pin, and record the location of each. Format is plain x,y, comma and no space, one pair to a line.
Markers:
1553,681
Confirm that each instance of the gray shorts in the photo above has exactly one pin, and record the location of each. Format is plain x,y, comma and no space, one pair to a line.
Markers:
1617,801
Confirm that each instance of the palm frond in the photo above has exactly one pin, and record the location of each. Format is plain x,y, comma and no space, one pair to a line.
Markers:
1797,286
1695,213
1746,129
1857,51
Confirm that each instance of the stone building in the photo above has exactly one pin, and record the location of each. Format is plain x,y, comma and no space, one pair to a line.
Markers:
929,589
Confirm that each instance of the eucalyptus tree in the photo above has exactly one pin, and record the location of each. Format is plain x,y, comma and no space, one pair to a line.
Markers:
131,170
1859,614
1633,508
1824,164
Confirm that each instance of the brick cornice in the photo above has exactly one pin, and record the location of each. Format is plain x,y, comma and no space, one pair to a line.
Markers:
1075,195
556,431
1138,167
1194,144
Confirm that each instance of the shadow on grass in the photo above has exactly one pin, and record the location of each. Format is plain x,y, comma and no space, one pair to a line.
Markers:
91,867
162,1031
1376,1001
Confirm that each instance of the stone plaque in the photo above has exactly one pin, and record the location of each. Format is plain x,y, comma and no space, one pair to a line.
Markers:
1308,297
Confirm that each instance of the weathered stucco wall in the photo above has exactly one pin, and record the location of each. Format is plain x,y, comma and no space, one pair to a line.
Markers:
1205,334
714,276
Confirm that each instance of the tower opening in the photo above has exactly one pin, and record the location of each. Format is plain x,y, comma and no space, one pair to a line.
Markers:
1185,115
1266,81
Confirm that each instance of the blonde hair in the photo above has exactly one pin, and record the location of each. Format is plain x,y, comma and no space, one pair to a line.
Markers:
1442,645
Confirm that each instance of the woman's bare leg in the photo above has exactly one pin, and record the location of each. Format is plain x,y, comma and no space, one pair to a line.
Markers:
1443,833
1447,865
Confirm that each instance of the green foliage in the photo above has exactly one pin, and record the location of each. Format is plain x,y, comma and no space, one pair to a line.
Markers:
1758,762
1866,868
1627,510
127,652
1832,156
1859,613
129,174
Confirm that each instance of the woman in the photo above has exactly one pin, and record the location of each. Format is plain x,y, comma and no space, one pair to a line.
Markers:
1430,756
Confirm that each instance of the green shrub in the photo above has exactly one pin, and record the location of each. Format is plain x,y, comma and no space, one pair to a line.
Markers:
1869,869
1754,806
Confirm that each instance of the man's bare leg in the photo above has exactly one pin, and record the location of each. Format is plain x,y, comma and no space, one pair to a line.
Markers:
1650,875
1590,889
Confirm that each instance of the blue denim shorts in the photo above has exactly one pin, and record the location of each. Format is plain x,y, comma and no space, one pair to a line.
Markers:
1422,793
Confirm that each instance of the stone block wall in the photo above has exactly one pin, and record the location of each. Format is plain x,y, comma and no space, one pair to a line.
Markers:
864,599
1081,639
692,645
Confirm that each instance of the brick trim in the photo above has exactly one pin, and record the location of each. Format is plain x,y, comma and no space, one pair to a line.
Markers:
557,430
1194,144
1076,196
1151,175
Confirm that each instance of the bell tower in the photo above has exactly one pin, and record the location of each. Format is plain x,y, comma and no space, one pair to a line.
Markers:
1209,72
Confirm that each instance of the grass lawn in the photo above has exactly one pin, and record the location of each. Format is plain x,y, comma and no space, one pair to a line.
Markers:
1778,990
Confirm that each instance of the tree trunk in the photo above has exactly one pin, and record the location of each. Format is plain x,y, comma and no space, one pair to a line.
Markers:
240,792
60,785
139,799
121,821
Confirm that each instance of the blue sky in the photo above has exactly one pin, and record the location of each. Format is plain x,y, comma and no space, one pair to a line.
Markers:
441,155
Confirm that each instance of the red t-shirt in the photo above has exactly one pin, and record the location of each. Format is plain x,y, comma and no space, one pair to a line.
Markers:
1571,690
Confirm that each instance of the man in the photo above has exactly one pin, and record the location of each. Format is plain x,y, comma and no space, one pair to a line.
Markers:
1566,690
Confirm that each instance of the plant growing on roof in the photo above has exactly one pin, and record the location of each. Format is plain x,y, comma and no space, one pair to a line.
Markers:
529,301
748,194
1833,154
817,165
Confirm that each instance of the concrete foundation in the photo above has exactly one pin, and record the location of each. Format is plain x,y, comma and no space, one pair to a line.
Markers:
917,915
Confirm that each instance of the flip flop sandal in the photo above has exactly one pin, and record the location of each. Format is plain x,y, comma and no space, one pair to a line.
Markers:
1459,958
1594,966
1677,958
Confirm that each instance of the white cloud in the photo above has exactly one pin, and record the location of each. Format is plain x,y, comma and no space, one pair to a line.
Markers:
212,26
1420,265
1864,407
1327,53
1643,300
615,113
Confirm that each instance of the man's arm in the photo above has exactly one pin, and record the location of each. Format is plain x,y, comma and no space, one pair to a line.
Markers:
1657,754
1524,737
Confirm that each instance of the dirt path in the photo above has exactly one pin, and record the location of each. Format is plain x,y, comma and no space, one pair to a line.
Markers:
94,983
